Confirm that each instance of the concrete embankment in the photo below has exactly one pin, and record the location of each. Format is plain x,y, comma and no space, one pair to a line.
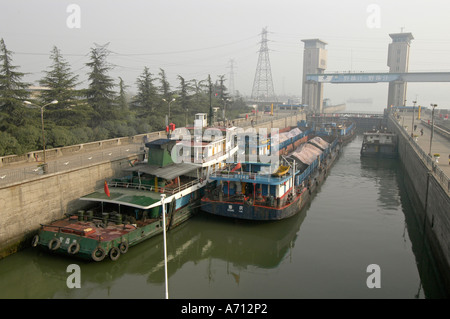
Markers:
25,204
429,192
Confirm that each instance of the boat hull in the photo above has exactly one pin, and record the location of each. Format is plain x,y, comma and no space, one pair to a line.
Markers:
64,236
379,151
256,212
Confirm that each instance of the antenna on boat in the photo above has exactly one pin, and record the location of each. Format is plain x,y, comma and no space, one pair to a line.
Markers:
165,243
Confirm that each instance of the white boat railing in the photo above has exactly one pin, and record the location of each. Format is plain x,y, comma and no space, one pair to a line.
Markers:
152,188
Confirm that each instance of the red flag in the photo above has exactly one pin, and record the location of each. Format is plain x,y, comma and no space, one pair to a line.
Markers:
107,189
238,166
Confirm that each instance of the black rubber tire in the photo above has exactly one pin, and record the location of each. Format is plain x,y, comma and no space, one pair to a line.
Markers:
54,244
71,249
114,253
123,247
97,257
35,241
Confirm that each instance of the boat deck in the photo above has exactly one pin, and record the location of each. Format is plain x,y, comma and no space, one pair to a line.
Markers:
90,229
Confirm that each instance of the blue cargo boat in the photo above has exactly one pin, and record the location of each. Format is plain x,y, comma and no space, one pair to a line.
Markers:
258,191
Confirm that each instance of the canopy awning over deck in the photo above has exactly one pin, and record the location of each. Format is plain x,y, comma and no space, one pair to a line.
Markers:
126,197
168,172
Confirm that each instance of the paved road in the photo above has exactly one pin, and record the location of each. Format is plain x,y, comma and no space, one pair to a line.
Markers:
29,171
440,145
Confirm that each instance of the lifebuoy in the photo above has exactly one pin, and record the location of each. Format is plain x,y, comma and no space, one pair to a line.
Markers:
73,248
98,254
123,247
114,253
54,244
35,241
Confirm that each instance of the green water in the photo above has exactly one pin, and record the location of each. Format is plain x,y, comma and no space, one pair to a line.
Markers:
360,216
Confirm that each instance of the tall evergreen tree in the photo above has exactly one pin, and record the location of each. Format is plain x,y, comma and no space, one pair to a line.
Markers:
12,90
185,98
165,86
221,89
100,94
199,88
145,99
222,96
210,91
122,98
61,83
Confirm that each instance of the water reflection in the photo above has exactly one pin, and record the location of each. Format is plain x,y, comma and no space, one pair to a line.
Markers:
431,283
357,217
392,184
239,243
383,172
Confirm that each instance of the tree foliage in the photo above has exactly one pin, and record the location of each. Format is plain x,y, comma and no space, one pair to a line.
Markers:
98,112
12,90
100,94
60,83
145,101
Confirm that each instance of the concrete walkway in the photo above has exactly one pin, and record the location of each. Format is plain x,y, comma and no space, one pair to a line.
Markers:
440,144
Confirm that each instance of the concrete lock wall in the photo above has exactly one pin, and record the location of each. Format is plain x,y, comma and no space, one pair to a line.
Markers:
433,198
24,206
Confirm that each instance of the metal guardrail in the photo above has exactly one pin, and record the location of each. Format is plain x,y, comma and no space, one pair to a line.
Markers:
440,176
12,175
437,129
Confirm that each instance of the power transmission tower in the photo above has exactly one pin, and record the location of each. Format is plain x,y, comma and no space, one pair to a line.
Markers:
102,49
263,85
232,89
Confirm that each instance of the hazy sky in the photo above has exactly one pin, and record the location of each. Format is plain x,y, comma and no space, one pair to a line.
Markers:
194,38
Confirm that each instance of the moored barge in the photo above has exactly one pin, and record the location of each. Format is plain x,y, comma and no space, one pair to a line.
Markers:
129,210
260,192
379,144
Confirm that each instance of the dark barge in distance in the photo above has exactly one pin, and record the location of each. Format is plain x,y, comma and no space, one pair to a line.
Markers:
379,144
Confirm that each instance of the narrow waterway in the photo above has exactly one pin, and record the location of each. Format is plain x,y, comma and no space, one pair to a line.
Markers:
360,216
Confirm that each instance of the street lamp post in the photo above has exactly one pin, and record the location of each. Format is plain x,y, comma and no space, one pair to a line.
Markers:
432,126
169,106
414,113
44,167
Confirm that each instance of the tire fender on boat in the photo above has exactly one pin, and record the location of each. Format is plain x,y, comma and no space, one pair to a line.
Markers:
54,244
73,248
35,241
123,247
98,257
114,253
